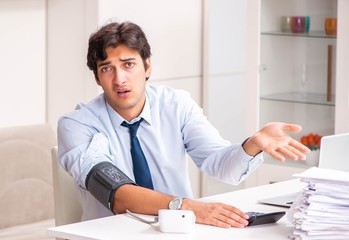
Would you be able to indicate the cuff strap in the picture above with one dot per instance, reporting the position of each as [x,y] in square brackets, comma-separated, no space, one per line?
[103,180]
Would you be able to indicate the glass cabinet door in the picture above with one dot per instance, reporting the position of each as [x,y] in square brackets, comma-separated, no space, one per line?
[297,69]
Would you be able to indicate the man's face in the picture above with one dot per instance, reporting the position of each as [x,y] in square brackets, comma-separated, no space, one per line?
[122,76]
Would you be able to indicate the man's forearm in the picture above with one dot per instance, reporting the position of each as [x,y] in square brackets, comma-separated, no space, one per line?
[139,200]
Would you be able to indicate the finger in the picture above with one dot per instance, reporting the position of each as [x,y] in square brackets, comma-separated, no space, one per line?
[273,151]
[219,219]
[297,151]
[275,154]
[235,219]
[217,223]
[301,147]
[233,216]
[235,211]
[290,152]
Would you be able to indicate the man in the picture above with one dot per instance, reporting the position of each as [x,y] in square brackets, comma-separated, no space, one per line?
[96,148]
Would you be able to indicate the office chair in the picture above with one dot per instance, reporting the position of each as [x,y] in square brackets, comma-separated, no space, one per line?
[67,205]
[26,187]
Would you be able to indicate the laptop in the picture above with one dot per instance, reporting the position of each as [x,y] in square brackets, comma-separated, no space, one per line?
[334,154]
[280,201]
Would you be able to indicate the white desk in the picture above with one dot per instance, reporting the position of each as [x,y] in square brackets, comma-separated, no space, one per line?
[126,227]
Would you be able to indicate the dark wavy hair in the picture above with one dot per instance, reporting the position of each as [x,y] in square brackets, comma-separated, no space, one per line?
[113,35]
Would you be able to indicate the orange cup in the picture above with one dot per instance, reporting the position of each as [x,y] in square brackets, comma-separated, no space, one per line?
[331,26]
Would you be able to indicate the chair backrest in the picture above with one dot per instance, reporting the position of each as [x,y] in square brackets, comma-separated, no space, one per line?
[26,191]
[67,205]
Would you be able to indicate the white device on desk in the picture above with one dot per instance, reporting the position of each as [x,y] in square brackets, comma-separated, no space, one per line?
[176,221]
[171,221]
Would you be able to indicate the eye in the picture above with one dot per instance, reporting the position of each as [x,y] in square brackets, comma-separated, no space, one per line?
[129,64]
[106,69]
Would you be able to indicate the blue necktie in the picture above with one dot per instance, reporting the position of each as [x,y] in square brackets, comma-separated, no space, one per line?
[140,165]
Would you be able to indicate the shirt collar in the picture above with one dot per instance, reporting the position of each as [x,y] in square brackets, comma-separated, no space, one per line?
[116,119]
[146,113]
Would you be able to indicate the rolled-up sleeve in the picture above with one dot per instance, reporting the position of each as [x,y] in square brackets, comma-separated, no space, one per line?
[231,164]
[214,155]
[80,147]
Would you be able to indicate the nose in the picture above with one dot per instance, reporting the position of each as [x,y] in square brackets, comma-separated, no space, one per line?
[119,76]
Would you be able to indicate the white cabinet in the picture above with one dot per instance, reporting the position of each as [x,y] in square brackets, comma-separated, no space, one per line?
[289,73]
[296,76]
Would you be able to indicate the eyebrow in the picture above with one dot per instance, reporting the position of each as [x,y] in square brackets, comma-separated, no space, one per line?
[122,60]
[127,59]
[103,64]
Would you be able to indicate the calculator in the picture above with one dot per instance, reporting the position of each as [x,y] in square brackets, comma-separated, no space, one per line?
[258,218]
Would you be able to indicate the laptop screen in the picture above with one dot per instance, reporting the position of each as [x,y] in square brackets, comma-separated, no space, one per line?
[334,152]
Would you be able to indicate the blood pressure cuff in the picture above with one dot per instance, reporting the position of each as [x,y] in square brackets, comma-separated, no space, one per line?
[103,180]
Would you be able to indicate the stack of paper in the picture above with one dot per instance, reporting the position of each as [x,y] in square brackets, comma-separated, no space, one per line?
[322,209]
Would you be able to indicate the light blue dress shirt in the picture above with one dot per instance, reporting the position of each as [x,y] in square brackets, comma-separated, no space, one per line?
[173,126]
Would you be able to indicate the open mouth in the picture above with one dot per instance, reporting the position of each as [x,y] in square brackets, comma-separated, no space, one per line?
[123,93]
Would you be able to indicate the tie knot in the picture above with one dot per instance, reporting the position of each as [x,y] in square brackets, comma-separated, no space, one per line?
[133,127]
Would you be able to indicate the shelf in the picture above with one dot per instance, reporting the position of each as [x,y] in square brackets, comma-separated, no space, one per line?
[311,34]
[301,97]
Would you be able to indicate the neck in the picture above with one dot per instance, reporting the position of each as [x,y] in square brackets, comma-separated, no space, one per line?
[132,113]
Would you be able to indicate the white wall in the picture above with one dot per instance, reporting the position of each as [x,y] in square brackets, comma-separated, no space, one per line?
[225,75]
[22,62]
[69,24]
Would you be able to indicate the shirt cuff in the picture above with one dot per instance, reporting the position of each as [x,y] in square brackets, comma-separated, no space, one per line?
[249,163]
[242,144]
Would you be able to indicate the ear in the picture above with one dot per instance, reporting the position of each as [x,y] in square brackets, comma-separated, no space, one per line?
[148,68]
[98,82]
